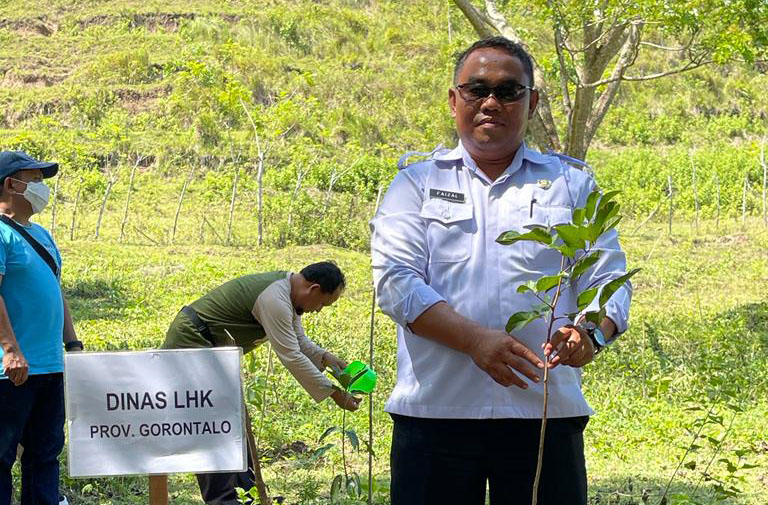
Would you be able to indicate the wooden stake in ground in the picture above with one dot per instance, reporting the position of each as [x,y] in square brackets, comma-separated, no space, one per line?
[111,179]
[53,207]
[765,181]
[260,485]
[74,211]
[695,194]
[181,201]
[158,490]
[744,200]
[232,205]
[128,197]
[671,202]
[717,189]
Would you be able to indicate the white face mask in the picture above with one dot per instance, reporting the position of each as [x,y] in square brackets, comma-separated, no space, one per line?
[37,194]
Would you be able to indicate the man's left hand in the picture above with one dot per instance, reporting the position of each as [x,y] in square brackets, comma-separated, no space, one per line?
[570,346]
[329,359]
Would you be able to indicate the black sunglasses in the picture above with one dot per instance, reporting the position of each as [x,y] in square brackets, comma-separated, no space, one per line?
[505,93]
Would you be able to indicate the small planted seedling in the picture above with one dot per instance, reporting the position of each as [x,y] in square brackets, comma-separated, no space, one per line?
[357,378]
[578,245]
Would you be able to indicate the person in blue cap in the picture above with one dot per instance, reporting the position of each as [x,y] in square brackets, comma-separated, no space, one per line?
[34,319]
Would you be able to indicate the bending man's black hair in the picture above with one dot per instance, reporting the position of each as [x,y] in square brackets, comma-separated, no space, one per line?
[326,274]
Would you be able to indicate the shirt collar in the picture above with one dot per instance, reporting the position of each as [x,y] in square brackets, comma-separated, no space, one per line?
[523,153]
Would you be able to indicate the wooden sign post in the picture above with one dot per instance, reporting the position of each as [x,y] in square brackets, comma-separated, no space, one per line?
[158,490]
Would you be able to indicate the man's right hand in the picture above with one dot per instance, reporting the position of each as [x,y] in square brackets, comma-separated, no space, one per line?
[497,354]
[15,366]
[345,400]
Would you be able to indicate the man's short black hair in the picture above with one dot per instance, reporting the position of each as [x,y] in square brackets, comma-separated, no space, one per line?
[326,274]
[498,42]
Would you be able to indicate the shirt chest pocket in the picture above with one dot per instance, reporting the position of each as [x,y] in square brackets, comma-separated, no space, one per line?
[539,255]
[450,227]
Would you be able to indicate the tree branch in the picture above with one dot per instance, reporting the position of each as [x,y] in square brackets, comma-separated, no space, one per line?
[605,53]
[688,66]
[564,74]
[626,59]
[476,19]
[664,48]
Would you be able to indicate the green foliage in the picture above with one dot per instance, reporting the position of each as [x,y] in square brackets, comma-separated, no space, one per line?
[598,216]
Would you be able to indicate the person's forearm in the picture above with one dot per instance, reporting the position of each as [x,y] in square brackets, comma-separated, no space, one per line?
[7,337]
[69,334]
[608,328]
[442,324]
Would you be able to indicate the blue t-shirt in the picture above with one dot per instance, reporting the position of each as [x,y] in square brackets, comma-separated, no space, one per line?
[32,296]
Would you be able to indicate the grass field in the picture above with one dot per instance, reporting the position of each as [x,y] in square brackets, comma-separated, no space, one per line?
[698,341]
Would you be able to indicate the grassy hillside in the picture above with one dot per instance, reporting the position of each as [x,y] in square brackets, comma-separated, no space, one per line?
[330,93]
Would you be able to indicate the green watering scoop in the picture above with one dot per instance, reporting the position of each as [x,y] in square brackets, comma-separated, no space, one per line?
[356,378]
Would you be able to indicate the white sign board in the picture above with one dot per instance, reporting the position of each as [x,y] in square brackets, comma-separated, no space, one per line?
[155,412]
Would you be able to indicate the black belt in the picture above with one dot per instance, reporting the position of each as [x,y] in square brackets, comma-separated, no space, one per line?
[200,325]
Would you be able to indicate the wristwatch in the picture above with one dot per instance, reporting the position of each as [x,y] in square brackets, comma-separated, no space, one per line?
[595,334]
[72,343]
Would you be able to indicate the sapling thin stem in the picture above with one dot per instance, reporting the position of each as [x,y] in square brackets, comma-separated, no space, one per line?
[714,455]
[690,446]
[343,444]
[543,431]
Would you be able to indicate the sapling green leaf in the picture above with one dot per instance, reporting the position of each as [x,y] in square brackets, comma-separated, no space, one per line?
[606,213]
[573,236]
[368,448]
[595,317]
[520,320]
[320,451]
[548,282]
[353,485]
[565,250]
[527,286]
[353,440]
[327,432]
[584,263]
[586,297]
[591,207]
[608,196]
[540,235]
[578,216]
[609,289]
[336,484]
[612,224]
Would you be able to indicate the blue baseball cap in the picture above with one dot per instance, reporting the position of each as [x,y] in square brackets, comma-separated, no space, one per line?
[13,161]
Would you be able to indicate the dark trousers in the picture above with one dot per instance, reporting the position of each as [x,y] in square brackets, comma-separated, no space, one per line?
[219,488]
[32,415]
[447,461]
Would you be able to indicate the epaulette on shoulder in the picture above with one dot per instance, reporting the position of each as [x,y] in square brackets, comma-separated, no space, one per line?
[403,161]
[574,162]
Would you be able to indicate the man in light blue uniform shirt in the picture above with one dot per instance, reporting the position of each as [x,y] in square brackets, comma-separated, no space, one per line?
[34,319]
[468,399]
